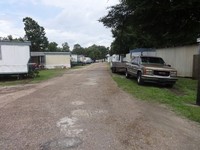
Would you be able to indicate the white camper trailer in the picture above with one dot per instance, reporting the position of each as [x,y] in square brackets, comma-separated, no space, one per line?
[14,57]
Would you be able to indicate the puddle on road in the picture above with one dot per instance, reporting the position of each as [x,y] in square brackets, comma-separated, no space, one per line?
[62,144]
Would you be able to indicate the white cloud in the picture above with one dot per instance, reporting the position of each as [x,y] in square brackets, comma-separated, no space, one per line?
[75,21]
[8,28]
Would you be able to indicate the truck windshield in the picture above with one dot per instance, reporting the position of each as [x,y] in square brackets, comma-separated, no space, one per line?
[152,60]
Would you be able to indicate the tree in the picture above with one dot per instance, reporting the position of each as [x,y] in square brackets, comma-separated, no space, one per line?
[78,50]
[93,52]
[10,38]
[52,47]
[168,22]
[150,23]
[96,52]
[116,19]
[77,46]
[36,34]
[65,47]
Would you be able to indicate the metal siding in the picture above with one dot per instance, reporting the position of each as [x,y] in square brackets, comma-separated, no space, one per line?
[26,43]
[14,59]
[128,57]
[181,58]
[53,61]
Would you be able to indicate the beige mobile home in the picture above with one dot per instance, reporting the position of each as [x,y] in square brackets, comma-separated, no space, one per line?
[51,60]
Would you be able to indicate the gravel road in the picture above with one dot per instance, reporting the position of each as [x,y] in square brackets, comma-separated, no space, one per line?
[85,110]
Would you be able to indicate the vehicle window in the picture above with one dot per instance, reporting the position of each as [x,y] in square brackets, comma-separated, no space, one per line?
[139,60]
[135,60]
[152,60]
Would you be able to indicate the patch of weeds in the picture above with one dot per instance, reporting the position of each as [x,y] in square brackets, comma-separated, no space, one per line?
[181,98]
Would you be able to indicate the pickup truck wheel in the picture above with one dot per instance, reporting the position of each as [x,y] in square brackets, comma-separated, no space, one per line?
[113,70]
[126,74]
[139,79]
[170,85]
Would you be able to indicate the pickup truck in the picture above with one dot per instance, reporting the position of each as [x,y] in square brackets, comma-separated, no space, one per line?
[151,69]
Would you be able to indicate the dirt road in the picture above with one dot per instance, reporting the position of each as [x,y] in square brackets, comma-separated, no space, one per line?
[85,110]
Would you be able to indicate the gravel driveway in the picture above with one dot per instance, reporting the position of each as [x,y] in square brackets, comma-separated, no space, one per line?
[85,110]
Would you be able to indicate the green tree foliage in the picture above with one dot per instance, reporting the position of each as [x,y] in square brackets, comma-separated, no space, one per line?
[94,52]
[10,38]
[36,34]
[153,23]
[78,50]
[65,47]
[117,20]
[52,47]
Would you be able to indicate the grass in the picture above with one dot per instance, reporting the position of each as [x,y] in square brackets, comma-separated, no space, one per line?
[43,75]
[77,67]
[181,98]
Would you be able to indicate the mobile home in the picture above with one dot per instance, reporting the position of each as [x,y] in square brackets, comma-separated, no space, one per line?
[51,60]
[14,57]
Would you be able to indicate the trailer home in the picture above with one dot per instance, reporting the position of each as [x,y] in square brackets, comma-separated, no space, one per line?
[77,59]
[51,60]
[14,57]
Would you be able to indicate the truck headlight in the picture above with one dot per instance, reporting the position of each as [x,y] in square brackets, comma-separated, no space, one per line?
[173,73]
[148,71]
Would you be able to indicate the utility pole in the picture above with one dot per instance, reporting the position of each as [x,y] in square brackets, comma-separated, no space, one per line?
[198,88]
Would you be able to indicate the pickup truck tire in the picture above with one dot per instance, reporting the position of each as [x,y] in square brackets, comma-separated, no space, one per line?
[127,74]
[113,70]
[170,85]
[139,79]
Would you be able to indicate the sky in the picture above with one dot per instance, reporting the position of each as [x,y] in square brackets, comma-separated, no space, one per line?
[71,21]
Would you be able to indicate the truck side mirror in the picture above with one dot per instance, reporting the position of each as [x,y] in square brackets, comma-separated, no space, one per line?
[168,65]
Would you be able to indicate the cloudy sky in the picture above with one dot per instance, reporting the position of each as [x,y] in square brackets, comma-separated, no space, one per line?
[72,21]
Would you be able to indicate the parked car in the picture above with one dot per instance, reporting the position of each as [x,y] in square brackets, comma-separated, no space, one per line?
[151,69]
[87,60]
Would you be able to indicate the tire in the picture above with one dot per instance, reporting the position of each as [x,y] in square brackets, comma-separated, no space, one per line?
[126,74]
[113,70]
[170,85]
[139,78]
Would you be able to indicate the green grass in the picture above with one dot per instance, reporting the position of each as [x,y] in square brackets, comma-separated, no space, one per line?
[43,75]
[77,67]
[48,74]
[181,98]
